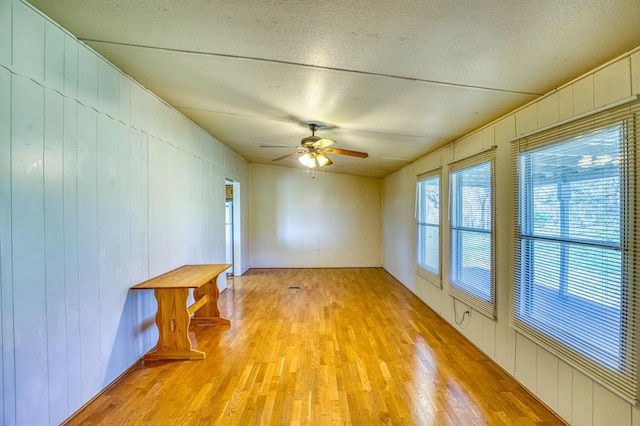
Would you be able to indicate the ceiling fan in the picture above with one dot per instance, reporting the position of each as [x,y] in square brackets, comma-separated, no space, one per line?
[313,150]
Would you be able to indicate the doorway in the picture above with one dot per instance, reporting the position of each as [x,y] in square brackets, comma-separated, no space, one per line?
[232,226]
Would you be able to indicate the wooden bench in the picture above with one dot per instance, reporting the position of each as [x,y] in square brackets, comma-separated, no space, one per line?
[174,316]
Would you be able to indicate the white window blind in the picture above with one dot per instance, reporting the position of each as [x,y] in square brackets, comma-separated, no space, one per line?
[428,222]
[472,235]
[576,289]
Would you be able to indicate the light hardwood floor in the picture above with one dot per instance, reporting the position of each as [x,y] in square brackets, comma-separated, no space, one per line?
[350,346]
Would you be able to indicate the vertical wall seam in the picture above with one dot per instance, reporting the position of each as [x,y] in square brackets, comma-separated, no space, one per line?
[44,222]
[77,208]
[64,234]
[6,402]
[97,226]
[146,160]
[10,212]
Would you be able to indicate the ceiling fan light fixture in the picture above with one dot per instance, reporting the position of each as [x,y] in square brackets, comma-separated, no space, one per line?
[308,160]
[311,160]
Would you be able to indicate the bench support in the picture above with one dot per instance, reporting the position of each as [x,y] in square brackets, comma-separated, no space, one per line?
[209,314]
[173,320]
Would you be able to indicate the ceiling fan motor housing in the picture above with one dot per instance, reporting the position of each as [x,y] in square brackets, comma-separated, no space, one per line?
[310,140]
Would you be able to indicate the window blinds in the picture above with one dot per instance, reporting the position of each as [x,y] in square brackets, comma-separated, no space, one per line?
[428,226]
[576,273]
[472,232]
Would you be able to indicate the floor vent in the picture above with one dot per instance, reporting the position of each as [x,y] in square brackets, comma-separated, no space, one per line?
[294,287]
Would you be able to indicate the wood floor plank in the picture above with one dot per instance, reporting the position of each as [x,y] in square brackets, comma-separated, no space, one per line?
[349,346]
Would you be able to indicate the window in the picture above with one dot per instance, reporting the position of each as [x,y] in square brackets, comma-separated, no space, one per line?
[472,235]
[428,218]
[575,254]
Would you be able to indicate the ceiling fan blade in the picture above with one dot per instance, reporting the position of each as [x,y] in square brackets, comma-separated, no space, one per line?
[284,157]
[323,143]
[347,152]
[277,146]
[322,159]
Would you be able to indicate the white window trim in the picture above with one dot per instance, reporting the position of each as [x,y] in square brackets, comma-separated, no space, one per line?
[487,308]
[427,275]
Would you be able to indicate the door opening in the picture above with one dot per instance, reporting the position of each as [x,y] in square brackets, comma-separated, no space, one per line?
[233,218]
[228,225]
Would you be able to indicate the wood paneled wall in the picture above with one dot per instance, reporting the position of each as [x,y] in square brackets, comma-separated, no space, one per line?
[102,185]
[575,397]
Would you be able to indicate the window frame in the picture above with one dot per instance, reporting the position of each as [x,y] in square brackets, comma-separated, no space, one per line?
[623,378]
[457,289]
[431,276]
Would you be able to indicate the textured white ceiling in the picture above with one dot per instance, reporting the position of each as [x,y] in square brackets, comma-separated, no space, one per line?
[396,79]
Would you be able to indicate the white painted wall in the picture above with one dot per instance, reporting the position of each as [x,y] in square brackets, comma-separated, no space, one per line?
[331,220]
[102,186]
[575,397]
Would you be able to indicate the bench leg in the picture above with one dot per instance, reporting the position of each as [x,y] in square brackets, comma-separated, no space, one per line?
[173,321]
[209,314]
